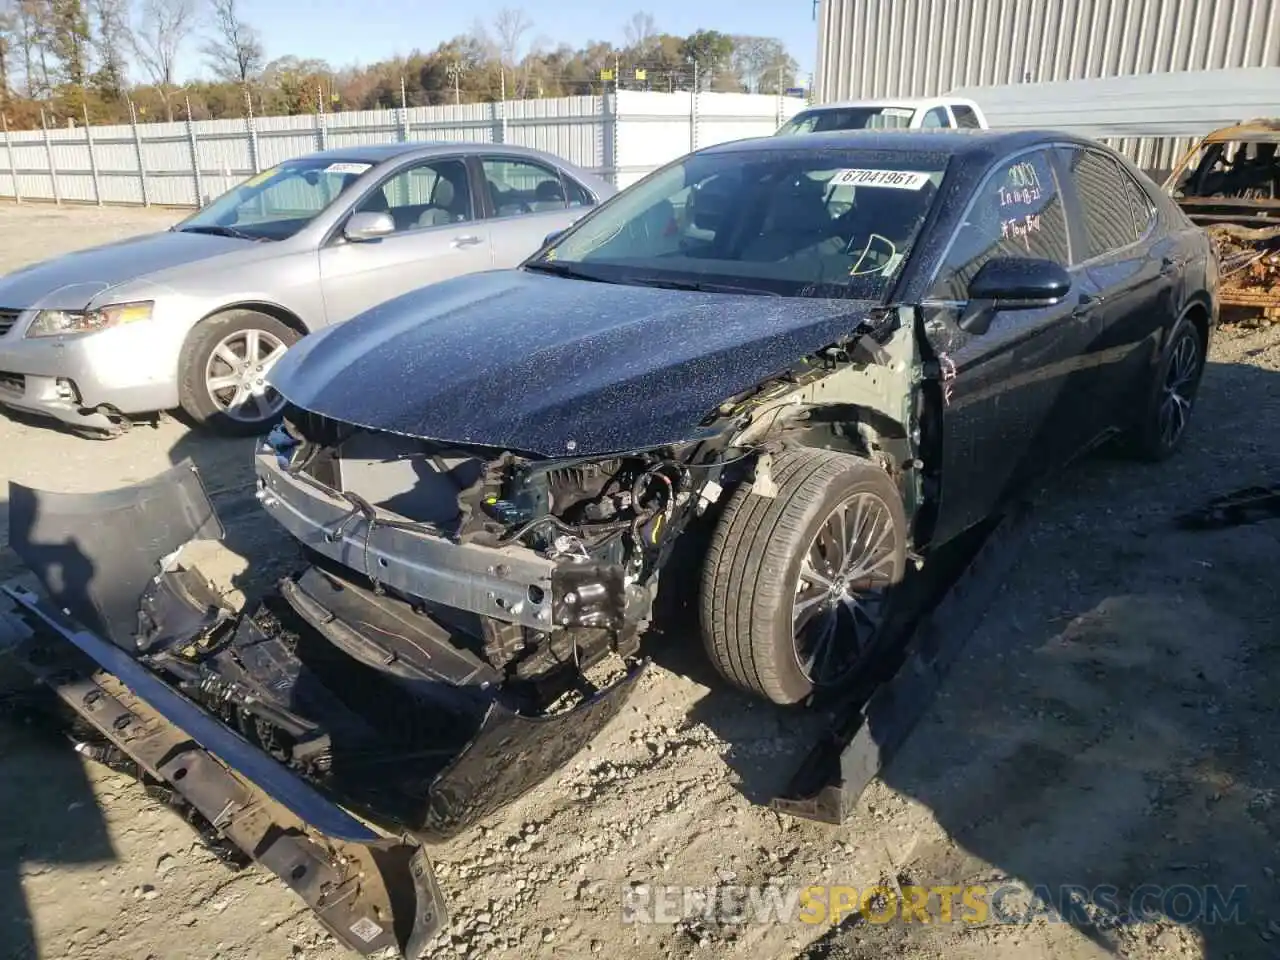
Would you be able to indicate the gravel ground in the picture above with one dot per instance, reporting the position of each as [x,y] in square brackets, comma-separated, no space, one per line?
[1110,723]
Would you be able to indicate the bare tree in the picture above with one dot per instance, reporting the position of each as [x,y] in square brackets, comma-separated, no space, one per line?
[234,51]
[8,37]
[510,26]
[110,23]
[157,37]
[32,29]
[69,40]
[640,33]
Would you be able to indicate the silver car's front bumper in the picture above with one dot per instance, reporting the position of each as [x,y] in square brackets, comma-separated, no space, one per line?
[512,583]
[130,369]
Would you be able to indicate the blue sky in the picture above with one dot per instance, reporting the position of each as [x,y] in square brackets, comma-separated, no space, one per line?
[348,31]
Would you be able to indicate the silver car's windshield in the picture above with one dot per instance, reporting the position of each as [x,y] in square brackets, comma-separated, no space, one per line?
[277,203]
[830,223]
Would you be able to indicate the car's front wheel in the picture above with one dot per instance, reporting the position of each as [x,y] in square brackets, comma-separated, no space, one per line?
[223,371]
[795,587]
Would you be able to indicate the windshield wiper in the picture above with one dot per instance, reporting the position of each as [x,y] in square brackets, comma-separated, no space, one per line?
[699,286]
[565,270]
[220,231]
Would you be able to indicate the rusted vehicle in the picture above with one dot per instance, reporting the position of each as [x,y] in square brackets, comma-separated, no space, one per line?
[1230,184]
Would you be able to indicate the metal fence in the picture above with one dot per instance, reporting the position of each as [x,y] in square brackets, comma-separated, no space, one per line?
[619,136]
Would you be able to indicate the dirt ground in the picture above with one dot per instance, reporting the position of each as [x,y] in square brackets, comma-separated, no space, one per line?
[1111,722]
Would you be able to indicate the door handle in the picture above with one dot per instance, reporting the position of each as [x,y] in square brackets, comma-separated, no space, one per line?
[1085,305]
[467,241]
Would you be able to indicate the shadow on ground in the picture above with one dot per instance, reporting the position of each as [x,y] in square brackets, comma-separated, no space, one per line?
[1105,753]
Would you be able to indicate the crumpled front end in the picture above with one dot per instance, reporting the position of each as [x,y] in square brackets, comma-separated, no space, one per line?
[313,730]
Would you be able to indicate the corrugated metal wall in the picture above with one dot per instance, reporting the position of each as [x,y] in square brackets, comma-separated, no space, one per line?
[890,48]
[1154,118]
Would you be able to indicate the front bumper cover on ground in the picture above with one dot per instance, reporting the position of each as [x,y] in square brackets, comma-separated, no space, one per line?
[99,647]
[372,893]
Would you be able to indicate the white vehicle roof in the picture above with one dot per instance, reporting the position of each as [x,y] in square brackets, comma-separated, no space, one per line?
[909,103]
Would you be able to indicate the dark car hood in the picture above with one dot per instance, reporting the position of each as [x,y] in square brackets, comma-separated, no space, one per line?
[553,366]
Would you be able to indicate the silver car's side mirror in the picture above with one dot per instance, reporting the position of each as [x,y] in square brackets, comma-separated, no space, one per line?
[365,226]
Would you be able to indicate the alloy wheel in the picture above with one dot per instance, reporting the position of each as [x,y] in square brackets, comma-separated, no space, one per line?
[1178,390]
[236,375]
[841,589]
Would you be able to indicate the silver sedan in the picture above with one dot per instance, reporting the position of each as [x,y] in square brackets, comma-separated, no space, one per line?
[195,317]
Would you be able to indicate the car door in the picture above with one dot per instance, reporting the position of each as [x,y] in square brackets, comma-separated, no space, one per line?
[526,200]
[1008,393]
[1135,267]
[438,234]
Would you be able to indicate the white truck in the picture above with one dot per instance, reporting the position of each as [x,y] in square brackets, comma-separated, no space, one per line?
[912,114]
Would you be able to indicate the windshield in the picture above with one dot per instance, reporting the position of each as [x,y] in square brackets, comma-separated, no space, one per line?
[839,223]
[277,203]
[848,118]
[1232,169]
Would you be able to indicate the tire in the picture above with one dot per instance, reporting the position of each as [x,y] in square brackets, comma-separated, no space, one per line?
[243,408]
[753,571]
[1177,375]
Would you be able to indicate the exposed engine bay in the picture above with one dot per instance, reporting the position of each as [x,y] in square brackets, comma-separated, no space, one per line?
[535,565]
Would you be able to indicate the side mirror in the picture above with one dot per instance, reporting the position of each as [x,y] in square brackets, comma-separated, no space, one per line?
[553,236]
[366,226]
[1012,283]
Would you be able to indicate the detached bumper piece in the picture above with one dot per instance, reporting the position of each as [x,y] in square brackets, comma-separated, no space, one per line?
[329,696]
[373,894]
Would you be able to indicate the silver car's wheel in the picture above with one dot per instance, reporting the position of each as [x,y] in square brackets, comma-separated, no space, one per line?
[224,367]
[235,375]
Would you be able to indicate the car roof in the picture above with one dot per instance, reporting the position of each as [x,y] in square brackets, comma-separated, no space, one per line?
[912,102]
[1262,130]
[957,143]
[381,152]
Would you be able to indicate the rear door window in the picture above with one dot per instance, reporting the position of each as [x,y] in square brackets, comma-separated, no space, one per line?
[1105,202]
[518,186]
[966,118]
[1017,212]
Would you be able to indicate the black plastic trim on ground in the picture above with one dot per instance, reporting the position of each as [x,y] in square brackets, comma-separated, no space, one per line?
[869,730]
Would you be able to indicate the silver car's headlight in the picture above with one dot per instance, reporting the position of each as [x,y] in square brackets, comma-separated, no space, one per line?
[53,323]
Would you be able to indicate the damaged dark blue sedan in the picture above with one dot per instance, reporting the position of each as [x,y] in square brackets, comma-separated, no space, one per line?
[793,367]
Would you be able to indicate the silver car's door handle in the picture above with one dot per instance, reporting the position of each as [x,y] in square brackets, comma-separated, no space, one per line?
[467,241]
